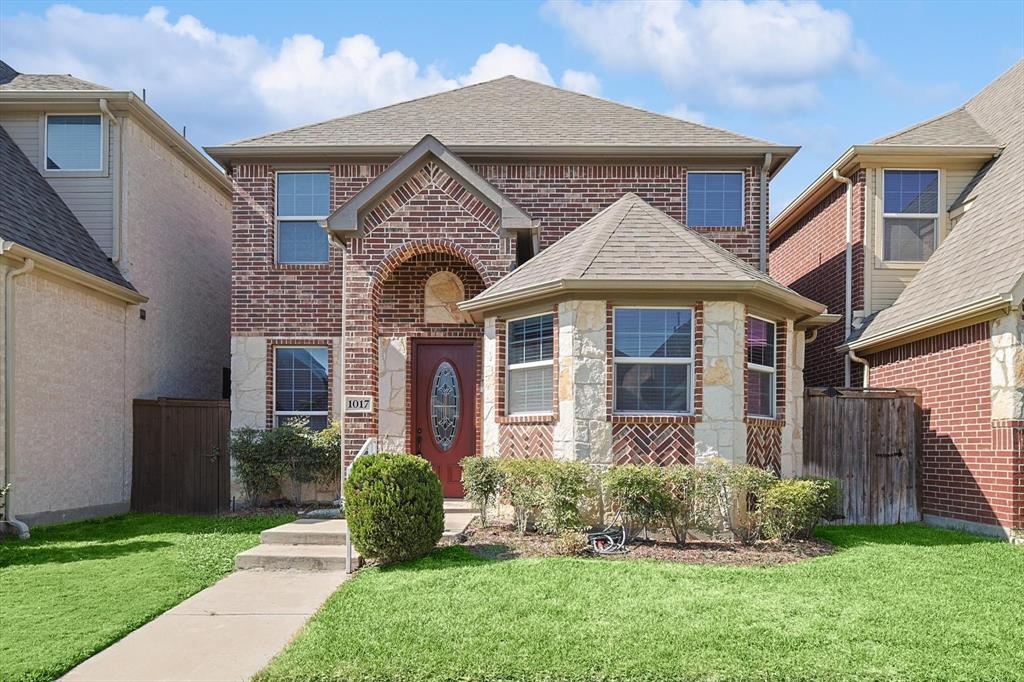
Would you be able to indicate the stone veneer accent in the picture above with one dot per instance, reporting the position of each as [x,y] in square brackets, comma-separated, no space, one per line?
[1008,367]
[582,432]
[721,432]
[393,356]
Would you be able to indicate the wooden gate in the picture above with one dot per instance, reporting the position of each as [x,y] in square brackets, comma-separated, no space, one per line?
[181,462]
[870,440]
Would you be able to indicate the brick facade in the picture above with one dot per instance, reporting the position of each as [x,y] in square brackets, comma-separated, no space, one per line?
[764,436]
[971,467]
[810,258]
[428,224]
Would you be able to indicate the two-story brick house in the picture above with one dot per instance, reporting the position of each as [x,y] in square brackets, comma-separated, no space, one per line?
[368,252]
[917,239]
[115,263]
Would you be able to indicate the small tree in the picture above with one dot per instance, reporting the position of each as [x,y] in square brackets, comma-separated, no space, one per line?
[737,490]
[689,489]
[639,493]
[523,487]
[482,481]
[565,487]
[295,454]
[252,463]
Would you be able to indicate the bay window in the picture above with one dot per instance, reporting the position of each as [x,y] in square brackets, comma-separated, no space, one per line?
[761,367]
[530,365]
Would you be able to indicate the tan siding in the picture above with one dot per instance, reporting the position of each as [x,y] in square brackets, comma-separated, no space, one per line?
[24,130]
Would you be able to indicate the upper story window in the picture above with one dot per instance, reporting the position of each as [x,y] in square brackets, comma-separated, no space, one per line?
[300,385]
[303,198]
[653,360]
[760,367]
[910,221]
[74,143]
[714,199]
[530,360]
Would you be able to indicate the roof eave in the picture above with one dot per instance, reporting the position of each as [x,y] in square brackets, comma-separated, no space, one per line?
[72,273]
[866,153]
[970,313]
[128,101]
[792,300]
[225,154]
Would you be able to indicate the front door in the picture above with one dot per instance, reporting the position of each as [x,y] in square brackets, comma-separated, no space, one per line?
[444,407]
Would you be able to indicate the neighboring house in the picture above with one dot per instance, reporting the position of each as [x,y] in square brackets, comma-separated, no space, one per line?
[369,257]
[937,280]
[125,227]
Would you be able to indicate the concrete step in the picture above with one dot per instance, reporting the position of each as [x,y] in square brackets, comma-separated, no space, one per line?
[307,532]
[458,506]
[300,557]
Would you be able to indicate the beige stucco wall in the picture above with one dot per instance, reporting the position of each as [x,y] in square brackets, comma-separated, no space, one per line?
[72,416]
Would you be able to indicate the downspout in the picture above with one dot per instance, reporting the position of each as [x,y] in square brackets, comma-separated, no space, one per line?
[115,175]
[848,310]
[763,236]
[9,517]
[850,355]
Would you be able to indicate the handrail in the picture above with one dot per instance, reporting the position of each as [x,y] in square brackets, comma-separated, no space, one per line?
[369,448]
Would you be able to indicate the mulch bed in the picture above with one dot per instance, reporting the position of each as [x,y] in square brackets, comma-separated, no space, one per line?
[502,542]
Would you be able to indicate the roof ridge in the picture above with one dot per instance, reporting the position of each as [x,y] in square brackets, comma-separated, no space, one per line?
[611,232]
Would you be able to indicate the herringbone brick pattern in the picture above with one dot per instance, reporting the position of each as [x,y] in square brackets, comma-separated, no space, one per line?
[525,441]
[764,447]
[659,444]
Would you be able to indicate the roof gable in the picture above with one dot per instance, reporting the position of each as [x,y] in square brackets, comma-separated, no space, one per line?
[954,128]
[34,216]
[507,112]
[350,219]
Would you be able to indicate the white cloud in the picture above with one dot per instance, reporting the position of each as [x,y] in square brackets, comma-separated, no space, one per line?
[581,81]
[686,113]
[226,86]
[765,55]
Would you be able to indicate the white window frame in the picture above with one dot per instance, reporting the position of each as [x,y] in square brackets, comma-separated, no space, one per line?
[285,413]
[743,199]
[510,367]
[772,371]
[937,216]
[82,172]
[278,219]
[616,361]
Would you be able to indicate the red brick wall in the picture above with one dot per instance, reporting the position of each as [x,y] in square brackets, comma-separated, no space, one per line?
[810,258]
[966,474]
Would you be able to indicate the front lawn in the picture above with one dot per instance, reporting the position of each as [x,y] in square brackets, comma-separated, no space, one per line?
[903,602]
[75,588]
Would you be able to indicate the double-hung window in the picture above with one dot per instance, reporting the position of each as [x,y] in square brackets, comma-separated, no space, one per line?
[74,142]
[910,221]
[303,198]
[714,199]
[300,385]
[530,359]
[653,360]
[760,367]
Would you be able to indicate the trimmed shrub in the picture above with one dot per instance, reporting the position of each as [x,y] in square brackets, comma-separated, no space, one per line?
[737,491]
[394,507]
[565,488]
[689,490]
[792,508]
[522,487]
[639,493]
[833,497]
[482,481]
[295,454]
[252,463]
[572,543]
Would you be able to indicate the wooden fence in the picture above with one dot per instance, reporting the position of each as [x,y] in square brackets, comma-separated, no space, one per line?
[181,460]
[870,440]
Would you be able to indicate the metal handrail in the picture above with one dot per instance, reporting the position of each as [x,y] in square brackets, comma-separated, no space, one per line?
[369,448]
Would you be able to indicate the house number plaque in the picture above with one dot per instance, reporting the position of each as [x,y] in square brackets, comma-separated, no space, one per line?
[358,404]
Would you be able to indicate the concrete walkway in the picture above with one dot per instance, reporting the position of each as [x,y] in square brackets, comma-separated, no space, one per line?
[227,632]
[231,630]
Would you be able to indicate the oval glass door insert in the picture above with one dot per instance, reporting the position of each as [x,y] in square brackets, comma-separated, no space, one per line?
[444,406]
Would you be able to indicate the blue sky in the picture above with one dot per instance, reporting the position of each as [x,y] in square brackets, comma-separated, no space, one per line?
[820,75]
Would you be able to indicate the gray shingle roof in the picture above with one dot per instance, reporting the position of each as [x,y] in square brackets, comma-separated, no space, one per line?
[12,80]
[631,241]
[34,216]
[984,254]
[957,127]
[508,111]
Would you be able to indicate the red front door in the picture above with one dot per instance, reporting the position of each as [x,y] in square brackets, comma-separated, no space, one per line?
[444,412]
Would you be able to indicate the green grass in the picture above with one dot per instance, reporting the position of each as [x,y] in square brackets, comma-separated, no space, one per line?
[75,588]
[904,602]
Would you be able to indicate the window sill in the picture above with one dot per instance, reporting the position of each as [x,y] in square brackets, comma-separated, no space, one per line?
[528,419]
[653,418]
[900,265]
[302,266]
[720,228]
[764,421]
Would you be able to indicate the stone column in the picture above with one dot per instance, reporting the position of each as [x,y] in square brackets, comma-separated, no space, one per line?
[721,431]
[1008,368]
[391,389]
[488,416]
[582,431]
[793,430]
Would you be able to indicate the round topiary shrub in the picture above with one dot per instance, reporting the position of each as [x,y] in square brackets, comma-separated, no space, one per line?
[394,507]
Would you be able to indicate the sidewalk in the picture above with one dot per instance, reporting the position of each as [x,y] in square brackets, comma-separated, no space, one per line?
[227,632]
